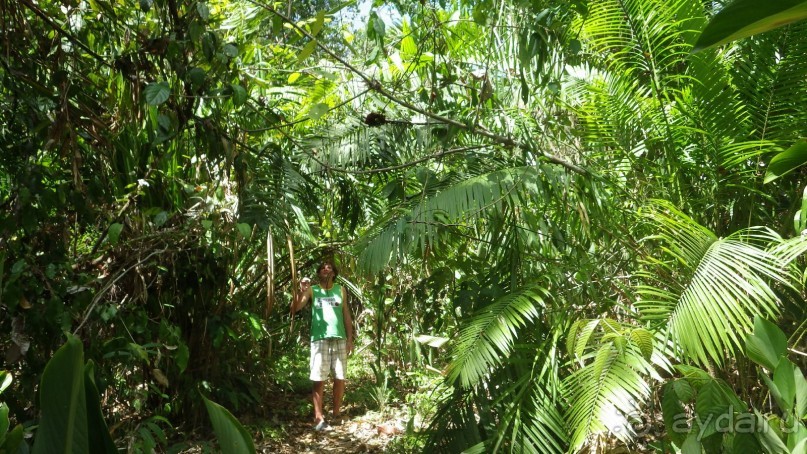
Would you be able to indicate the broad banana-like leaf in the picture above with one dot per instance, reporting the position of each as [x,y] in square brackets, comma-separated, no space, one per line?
[787,161]
[98,432]
[3,422]
[801,394]
[766,345]
[63,419]
[13,440]
[783,385]
[715,399]
[692,444]
[5,380]
[233,438]
[769,438]
[749,17]
[800,219]
[673,395]
[745,443]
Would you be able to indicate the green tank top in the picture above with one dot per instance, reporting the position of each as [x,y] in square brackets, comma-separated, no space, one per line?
[327,319]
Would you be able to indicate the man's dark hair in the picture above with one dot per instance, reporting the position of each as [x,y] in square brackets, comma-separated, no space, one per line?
[333,267]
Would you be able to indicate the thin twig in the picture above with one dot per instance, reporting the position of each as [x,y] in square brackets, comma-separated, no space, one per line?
[793,350]
[64,32]
[109,285]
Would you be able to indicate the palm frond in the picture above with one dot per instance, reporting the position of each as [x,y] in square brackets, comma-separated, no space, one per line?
[791,249]
[704,290]
[517,408]
[454,427]
[612,384]
[770,74]
[530,419]
[488,338]
[466,200]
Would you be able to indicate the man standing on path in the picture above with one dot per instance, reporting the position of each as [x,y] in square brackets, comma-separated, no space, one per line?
[331,337]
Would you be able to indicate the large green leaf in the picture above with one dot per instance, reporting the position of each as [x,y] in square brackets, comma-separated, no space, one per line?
[801,393]
[4,422]
[783,384]
[673,411]
[800,218]
[768,437]
[307,51]
[99,437]
[787,161]
[233,438]
[748,17]
[766,345]
[13,440]
[692,444]
[63,418]
[746,443]
[5,380]
[157,93]
[714,404]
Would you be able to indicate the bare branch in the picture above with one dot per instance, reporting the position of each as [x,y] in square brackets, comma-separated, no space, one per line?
[404,165]
[377,87]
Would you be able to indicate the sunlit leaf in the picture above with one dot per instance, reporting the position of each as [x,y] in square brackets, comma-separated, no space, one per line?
[490,335]
[744,18]
[318,110]
[306,52]
[319,21]
[5,380]
[432,341]
[787,161]
[723,283]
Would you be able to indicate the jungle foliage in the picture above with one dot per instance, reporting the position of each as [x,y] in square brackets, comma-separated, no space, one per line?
[587,218]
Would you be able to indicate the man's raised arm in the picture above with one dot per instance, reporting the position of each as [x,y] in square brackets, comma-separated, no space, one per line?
[302,296]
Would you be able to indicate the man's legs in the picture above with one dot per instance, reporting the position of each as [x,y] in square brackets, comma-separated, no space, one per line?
[320,357]
[338,394]
[316,396]
[339,370]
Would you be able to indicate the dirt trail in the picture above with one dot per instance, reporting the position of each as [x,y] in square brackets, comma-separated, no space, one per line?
[354,436]
[362,431]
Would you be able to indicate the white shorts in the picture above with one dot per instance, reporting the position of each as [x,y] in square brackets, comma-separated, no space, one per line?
[328,355]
